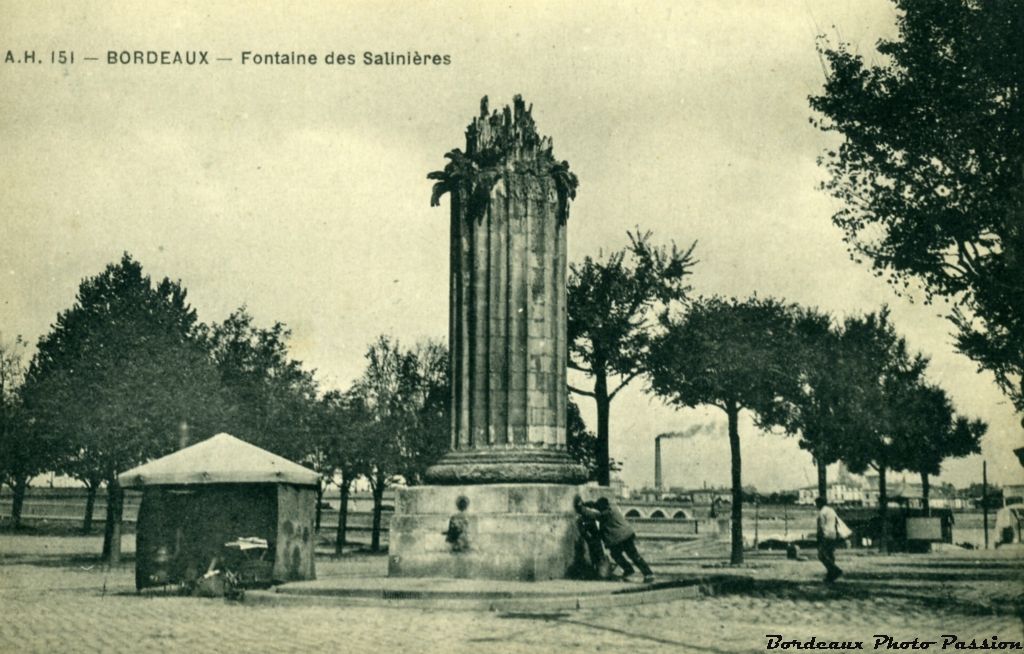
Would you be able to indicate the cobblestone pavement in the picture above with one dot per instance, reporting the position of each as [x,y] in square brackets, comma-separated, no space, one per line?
[62,602]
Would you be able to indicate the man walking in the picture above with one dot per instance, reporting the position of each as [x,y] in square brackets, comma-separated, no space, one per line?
[617,535]
[830,535]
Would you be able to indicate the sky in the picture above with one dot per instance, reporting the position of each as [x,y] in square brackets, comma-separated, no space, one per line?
[301,191]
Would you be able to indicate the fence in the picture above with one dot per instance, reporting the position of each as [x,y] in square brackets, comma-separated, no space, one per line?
[67,506]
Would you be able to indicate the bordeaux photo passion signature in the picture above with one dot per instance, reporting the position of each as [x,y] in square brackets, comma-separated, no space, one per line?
[888,642]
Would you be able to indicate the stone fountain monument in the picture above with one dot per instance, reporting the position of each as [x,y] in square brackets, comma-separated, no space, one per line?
[507,466]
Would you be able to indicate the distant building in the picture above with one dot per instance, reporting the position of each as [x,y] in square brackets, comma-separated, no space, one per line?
[911,494]
[700,496]
[856,490]
[845,490]
[53,480]
[1013,494]
[838,493]
[617,486]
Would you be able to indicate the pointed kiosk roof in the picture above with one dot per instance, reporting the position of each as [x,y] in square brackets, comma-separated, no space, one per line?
[220,459]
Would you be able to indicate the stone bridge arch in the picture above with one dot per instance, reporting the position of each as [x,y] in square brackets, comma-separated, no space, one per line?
[655,511]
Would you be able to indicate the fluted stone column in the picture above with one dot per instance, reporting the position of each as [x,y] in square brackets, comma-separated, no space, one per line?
[507,473]
[507,324]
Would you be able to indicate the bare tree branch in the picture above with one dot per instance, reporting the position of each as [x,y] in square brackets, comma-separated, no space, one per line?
[625,381]
[580,391]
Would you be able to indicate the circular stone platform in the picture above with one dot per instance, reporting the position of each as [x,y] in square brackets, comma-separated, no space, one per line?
[485,594]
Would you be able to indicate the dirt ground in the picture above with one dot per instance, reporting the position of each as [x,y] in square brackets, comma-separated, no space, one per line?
[55,597]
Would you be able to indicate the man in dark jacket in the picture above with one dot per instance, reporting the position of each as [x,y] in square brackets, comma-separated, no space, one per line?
[616,534]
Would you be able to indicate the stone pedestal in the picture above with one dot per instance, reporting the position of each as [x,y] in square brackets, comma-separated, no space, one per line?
[525,532]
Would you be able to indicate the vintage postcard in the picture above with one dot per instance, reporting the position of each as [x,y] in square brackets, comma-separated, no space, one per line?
[454,326]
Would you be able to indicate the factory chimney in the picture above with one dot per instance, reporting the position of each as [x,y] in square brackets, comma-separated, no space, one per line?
[692,431]
[657,463]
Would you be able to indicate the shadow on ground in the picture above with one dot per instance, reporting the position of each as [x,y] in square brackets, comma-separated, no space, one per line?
[62,560]
[856,586]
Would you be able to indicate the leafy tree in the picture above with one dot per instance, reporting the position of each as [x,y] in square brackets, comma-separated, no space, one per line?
[734,355]
[928,432]
[116,375]
[827,398]
[272,397]
[402,394]
[883,374]
[750,494]
[317,461]
[581,442]
[23,454]
[430,396]
[815,412]
[319,456]
[344,422]
[611,319]
[781,498]
[992,497]
[931,167]
[86,465]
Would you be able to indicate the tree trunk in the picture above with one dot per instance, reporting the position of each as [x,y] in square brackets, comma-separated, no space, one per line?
[339,538]
[603,409]
[378,497]
[112,530]
[925,493]
[108,525]
[883,512]
[733,412]
[822,477]
[18,501]
[319,501]
[90,504]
